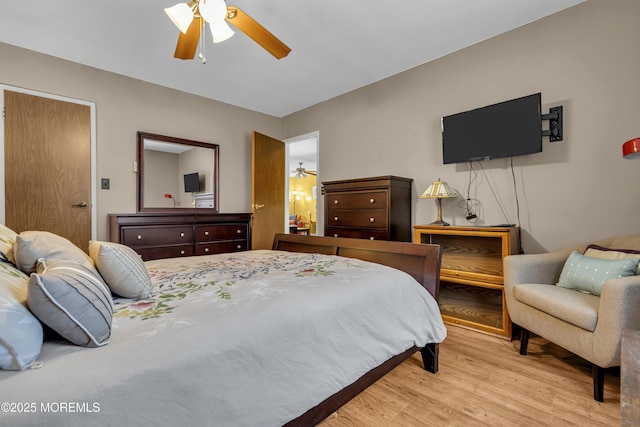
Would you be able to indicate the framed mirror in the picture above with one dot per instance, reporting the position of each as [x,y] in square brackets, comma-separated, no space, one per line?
[177,173]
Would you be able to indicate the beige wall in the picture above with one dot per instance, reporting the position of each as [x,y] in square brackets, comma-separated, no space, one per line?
[586,58]
[161,177]
[126,105]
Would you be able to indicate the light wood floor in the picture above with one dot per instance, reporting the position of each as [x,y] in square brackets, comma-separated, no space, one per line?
[483,380]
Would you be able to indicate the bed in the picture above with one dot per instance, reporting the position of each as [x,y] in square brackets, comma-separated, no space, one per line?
[268,338]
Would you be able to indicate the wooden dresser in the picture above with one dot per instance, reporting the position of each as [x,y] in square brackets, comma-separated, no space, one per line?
[169,235]
[369,208]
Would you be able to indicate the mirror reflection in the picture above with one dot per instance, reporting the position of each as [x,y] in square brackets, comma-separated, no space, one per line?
[175,173]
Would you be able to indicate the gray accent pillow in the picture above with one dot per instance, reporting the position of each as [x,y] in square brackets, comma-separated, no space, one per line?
[73,301]
[32,245]
[122,268]
[589,274]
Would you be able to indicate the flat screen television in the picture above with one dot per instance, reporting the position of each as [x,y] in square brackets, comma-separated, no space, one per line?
[191,183]
[510,128]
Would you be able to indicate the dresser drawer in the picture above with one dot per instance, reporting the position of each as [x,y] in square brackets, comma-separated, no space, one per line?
[164,252]
[210,233]
[357,233]
[221,247]
[358,200]
[152,236]
[362,219]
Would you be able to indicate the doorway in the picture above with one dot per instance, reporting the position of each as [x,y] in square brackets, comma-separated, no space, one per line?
[303,184]
[47,164]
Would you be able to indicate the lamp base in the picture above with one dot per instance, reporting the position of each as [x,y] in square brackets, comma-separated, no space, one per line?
[440,222]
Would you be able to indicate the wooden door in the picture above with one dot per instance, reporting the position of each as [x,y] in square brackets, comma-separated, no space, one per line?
[267,195]
[47,145]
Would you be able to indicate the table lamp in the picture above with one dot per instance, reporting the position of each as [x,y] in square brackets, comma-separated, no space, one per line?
[439,190]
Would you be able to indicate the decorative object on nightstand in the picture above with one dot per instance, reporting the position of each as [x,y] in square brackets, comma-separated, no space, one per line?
[631,149]
[439,190]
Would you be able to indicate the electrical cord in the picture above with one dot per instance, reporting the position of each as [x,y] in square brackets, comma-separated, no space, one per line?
[515,191]
[495,196]
[469,205]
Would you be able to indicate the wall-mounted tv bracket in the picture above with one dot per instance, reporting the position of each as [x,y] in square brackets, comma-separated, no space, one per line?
[555,124]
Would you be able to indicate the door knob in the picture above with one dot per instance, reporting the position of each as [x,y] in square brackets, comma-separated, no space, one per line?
[256,206]
[81,205]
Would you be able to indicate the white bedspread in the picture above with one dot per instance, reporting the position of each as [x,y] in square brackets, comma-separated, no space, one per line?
[245,339]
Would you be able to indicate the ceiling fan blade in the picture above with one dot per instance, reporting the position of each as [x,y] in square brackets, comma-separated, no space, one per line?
[257,32]
[188,43]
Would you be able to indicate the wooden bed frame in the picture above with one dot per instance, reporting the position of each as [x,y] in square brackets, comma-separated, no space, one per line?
[419,260]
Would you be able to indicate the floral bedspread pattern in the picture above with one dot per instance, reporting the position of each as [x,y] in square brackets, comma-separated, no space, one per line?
[227,281]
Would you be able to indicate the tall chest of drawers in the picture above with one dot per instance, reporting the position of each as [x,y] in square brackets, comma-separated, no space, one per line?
[369,208]
[160,235]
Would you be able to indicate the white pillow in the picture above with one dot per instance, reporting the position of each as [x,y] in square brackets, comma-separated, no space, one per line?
[122,268]
[73,301]
[20,332]
[33,245]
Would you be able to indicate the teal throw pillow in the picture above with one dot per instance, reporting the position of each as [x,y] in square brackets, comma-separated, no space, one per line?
[589,274]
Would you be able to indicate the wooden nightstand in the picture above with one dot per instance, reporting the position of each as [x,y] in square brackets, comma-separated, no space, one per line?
[471,276]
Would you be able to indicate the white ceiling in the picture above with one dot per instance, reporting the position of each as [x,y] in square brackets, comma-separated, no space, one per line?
[337,46]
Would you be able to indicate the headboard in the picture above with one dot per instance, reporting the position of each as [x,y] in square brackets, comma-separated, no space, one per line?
[419,260]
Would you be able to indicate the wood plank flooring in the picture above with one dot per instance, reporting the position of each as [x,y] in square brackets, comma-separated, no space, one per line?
[483,381]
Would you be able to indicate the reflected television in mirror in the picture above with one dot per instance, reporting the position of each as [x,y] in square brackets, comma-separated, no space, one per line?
[192,182]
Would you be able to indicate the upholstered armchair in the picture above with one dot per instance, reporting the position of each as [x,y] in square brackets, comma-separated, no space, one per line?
[586,324]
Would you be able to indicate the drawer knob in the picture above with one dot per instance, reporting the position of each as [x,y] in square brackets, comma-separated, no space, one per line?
[206,233]
[139,237]
[371,238]
[335,202]
[239,246]
[335,218]
[372,220]
[335,235]
[181,234]
[182,252]
[206,249]
[372,201]
[239,231]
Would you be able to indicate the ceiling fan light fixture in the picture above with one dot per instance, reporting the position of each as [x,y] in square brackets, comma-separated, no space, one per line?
[181,15]
[220,31]
[212,10]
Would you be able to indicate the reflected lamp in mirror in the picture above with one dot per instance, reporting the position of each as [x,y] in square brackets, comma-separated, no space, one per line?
[169,196]
[631,149]
[439,190]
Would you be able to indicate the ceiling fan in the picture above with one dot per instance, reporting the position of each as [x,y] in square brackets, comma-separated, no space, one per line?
[190,18]
[302,172]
